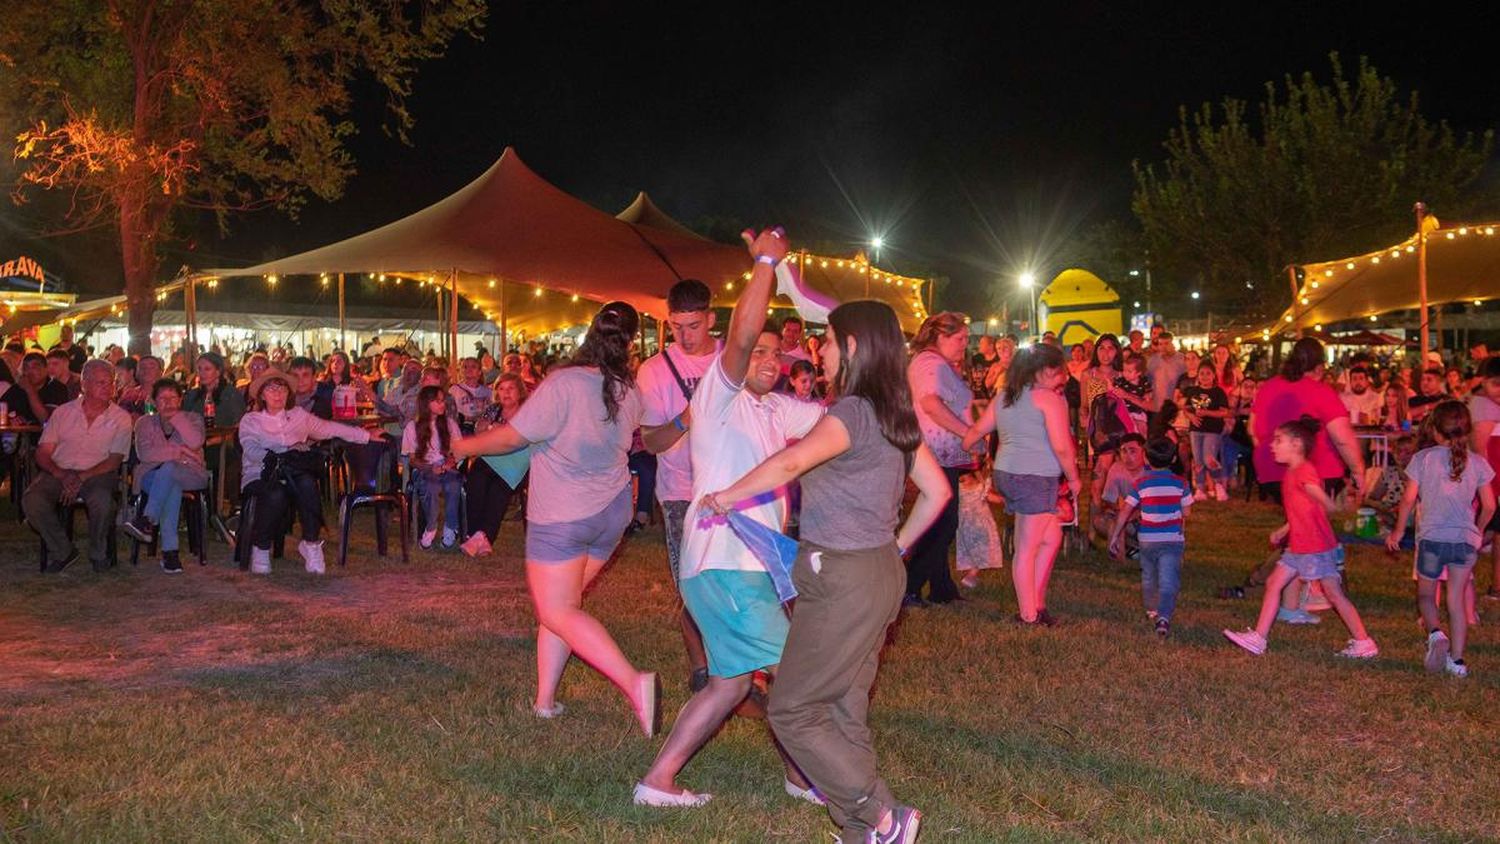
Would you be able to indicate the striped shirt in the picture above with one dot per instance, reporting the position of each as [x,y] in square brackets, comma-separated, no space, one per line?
[1161,497]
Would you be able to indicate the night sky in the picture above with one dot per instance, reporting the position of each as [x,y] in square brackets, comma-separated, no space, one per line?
[971,140]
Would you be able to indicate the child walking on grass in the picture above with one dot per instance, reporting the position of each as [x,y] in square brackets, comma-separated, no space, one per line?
[1446,478]
[1163,499]
[428,442]
[1312,552]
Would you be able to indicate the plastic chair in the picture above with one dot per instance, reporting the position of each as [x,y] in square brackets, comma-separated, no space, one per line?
[69,514]
[367,469]
[242,543]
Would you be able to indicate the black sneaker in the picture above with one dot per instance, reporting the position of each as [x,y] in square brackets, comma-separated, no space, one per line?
[1046,619]
[58,565]
[905,822]
[170,562]
[1163,628]
[140,528]
[913,600]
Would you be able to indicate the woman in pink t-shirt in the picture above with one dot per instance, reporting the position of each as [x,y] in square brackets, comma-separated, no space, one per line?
[1299,391]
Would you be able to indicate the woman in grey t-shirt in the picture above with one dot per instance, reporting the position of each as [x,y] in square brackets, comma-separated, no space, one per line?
[579,422]
[1036,448]
[848,572]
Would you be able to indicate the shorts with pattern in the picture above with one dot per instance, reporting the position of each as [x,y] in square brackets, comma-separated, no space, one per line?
[674,513]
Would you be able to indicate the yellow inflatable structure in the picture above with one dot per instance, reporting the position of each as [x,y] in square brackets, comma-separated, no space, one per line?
[1077,305]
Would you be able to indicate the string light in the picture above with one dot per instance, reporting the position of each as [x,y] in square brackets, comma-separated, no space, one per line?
[537,292]
[1463,230]
[1328,273]
[575,297]
[492,283]
[1450,235]
[1372,318]
[728,285]
[1349,266]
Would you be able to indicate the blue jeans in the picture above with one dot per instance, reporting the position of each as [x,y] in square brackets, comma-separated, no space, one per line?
[429,485]
[1205,447]
[1161,575]
[1232,452]
[164,487]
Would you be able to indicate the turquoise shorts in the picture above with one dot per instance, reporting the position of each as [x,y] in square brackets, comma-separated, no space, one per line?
[743,625]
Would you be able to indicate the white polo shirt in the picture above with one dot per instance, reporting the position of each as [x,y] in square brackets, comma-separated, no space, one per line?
[82,445]
[733,432]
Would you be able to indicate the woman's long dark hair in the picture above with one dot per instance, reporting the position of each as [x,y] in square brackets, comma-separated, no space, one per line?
[607,347]
[876,372]
[425,397]
[1307,355]
[348,375]
[1026,365]
[1101,340]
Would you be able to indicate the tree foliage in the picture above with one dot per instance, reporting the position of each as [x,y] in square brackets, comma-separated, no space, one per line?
[143,110]
[1314,171]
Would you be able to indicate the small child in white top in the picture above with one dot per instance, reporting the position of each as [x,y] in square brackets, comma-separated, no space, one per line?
[428,441]
[1448,479]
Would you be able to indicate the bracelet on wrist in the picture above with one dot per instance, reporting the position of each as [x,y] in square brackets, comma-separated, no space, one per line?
[766,259]
[677,423]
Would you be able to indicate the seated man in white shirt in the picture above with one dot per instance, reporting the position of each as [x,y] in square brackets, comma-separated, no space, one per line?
[1363,402]
[738,421]
[79,457]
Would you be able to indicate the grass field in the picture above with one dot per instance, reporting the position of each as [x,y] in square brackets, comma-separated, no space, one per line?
[390,701]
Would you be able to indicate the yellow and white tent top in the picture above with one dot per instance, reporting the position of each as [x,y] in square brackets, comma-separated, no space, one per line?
[1463,265]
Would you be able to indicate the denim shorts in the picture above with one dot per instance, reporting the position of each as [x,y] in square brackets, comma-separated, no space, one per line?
[594,536]
[1027,495]
[1433,557]
[1316,566]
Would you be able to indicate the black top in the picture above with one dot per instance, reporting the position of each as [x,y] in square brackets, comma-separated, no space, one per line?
[1213,398]
[54,393]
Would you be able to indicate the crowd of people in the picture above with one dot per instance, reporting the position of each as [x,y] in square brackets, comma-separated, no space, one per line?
[879,455]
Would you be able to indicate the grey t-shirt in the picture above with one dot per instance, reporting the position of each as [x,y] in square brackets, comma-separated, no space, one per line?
[852,502]
[1165,372]
[1119,483]
[578,456]
[1447,511]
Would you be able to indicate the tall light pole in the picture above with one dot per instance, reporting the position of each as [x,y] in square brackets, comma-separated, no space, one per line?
[1028,281]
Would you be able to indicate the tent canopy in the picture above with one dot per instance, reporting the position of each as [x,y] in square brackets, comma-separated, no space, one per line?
[525,252]
[843,279]
[1463,264]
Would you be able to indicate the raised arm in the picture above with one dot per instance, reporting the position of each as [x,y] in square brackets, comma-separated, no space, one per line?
[767,249]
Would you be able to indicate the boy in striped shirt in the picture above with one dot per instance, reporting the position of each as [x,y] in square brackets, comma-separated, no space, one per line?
[1163,500]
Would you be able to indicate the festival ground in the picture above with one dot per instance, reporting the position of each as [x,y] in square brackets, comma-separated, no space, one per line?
[388,701]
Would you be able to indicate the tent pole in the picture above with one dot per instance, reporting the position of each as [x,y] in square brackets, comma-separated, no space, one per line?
[442,335]
[190,309]
[1421,212]
[453,322]
[343,323]
[504,342]
[1291,274]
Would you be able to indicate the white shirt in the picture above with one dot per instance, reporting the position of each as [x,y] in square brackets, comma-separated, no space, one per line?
[470,401]
[1363,406]
[435,454]
[262,431]
[81,444]
[733,432]
[662,400]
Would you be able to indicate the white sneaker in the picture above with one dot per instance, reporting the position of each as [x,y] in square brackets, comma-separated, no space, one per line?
[1456,669]
[312,555]
[260,560]
[810,794]
[1437,652]
[1247,639]
[477,545]
[450,536]
[970,580]
[1360,649]
[427,537]
[645,795]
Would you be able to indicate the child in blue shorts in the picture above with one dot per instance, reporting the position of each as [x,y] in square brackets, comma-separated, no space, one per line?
[1447,478]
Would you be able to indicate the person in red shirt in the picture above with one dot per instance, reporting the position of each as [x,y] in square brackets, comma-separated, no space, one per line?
[1312,551]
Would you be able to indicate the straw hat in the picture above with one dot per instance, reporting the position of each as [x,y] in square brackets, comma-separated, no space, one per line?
[271,374]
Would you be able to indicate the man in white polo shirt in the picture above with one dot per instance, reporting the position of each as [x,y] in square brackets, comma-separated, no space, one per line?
[666,382]
[79,457]
[738,421]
